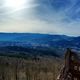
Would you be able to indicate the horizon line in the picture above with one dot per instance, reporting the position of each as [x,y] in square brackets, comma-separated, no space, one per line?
[39,33]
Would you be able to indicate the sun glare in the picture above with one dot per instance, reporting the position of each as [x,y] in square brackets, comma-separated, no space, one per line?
[15,4]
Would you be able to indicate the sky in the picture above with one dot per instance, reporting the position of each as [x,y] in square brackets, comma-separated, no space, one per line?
[40,16]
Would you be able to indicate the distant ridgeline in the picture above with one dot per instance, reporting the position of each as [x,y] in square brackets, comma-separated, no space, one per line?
[71,69]
[39,40]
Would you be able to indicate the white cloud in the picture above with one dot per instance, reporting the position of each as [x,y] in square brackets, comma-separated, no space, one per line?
[49,21]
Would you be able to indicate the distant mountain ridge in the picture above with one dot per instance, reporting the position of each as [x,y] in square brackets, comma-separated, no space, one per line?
[23,36]
[34,39]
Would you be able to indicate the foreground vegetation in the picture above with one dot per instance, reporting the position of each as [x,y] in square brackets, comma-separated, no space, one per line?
[39,68]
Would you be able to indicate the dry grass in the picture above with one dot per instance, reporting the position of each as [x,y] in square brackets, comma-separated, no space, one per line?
[44,68]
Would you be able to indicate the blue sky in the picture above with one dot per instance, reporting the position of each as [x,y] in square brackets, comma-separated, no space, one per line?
[40,16]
